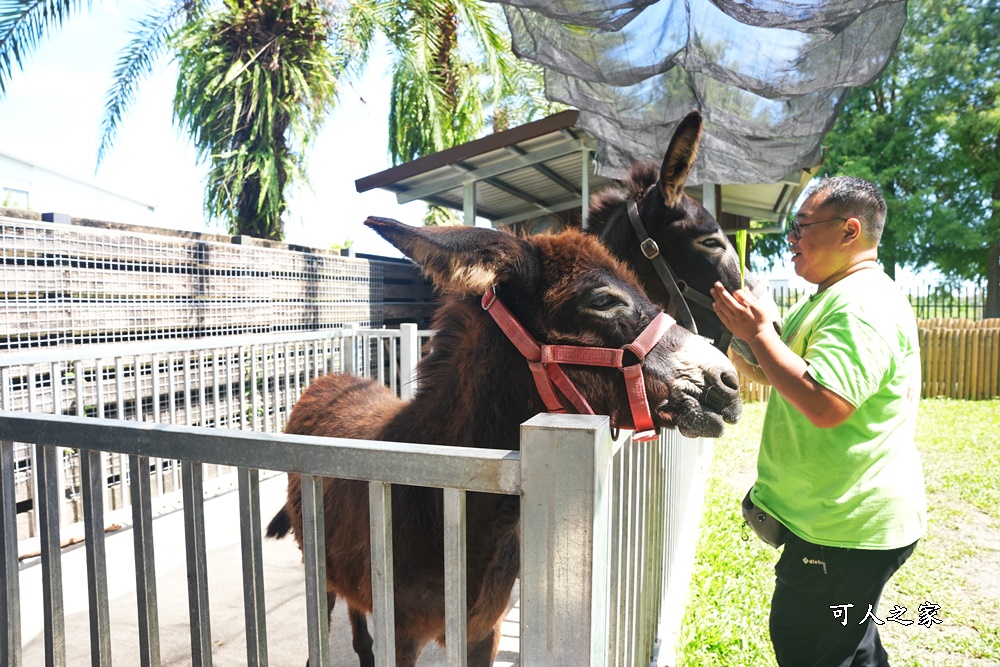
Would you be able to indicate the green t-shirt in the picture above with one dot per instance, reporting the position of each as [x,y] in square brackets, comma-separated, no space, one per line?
[858,485]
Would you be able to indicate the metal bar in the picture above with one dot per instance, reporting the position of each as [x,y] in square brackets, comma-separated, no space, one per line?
[47,506]
[154,380]
[348,351]
[202,396]
[485,470]
[32,407]
[616,631]
[469,203]
[107,496]
[97,563]
[564,609]
[145,567]
[192,489]
[254,392]
[10,596]
[164,346]
[455,592]
[526,160]
[314,554]
[253,567]
[187,389]
[265,380]
[409,355]
[383,605]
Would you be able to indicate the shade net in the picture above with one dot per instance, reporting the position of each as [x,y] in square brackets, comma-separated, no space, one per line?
[769,76]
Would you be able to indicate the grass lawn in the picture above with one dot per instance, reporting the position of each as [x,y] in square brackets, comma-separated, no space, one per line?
[956,565]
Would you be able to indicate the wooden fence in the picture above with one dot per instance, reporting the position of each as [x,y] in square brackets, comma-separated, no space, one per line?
[959,358]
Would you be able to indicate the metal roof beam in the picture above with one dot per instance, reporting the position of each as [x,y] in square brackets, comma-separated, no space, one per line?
[565,184]
[481,174]
[555,207]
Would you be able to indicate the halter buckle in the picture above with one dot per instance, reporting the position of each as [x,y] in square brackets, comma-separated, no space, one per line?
[489,297]
[649,248]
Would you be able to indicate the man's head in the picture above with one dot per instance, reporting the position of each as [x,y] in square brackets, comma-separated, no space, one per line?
[838,226]
[848,196]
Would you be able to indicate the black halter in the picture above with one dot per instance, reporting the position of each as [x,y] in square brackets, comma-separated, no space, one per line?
[681,294]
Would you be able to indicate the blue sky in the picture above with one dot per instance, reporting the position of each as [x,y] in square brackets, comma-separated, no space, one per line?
[51,115]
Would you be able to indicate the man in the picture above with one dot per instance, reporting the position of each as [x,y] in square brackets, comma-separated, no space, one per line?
[837,462]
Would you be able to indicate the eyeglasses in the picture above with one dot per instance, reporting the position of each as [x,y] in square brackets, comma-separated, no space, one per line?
[796,227]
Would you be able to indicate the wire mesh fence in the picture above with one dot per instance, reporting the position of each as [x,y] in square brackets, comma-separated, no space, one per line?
[69,284]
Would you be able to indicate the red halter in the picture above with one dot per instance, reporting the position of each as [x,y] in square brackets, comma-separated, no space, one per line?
[544,360]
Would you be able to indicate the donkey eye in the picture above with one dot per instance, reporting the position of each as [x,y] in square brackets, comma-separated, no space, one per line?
[606,301]
[713,243]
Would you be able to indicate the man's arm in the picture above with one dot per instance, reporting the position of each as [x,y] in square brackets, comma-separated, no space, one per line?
[787,372]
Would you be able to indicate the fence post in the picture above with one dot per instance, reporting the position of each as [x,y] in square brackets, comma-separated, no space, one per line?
[349,351]
[565,503]
[409,355]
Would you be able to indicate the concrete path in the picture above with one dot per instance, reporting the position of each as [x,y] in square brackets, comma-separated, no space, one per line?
[284,595]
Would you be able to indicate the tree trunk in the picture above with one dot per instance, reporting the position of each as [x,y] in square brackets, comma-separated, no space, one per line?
[992,308]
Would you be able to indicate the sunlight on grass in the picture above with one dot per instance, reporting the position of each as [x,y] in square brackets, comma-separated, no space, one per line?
[957,565]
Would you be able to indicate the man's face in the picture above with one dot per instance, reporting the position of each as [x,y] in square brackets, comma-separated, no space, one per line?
[815,240]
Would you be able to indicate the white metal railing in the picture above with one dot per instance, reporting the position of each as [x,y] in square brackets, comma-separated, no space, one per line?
[597,541]
[243,383]
[643,500]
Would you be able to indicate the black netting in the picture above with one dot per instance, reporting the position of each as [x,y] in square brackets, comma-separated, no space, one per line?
[768,75]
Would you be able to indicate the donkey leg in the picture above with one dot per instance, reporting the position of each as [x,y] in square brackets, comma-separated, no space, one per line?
[362,639]
[483,652]
[407,650]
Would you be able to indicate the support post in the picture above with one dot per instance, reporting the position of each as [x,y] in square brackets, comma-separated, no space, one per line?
[565,504]
[409,355]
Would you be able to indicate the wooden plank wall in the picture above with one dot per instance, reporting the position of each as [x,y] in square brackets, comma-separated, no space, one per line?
[959,358]
[91,282]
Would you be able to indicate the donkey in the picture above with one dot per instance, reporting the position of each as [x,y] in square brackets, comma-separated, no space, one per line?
[476,388]
[671,242]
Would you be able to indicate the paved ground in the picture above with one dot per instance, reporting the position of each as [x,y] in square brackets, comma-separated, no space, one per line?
[284,597]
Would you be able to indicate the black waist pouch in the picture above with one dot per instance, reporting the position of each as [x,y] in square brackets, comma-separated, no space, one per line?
[768,529]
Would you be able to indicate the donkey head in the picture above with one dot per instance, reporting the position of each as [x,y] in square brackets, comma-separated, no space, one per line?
[685,235]
[568,290]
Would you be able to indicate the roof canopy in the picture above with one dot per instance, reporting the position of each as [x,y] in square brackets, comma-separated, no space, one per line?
[545,168]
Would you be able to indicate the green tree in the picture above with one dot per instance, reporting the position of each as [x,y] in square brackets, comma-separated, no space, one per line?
[928,132]
[441,91]
[255,83]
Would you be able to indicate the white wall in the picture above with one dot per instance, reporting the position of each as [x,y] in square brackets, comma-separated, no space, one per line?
[52,192]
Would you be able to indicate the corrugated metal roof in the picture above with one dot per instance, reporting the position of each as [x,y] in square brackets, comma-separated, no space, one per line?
[539,169]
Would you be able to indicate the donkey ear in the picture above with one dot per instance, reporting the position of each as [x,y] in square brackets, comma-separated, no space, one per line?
[464,260]
[679,158]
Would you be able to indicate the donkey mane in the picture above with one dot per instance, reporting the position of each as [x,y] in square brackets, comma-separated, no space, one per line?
[637,181]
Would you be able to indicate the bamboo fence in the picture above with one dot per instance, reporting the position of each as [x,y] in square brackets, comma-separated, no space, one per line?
[959,358]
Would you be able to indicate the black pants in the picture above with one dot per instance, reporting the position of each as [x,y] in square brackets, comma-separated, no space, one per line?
[811,624]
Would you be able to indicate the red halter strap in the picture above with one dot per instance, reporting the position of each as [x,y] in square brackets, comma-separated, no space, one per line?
[550,379]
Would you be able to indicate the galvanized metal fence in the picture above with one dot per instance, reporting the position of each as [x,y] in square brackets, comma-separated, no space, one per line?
[601,542]
[620,518]
[242,383]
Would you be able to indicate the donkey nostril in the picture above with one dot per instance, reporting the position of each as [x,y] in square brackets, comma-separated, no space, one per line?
[730,379]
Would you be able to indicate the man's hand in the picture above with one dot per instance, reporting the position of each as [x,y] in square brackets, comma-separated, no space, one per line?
[741,313]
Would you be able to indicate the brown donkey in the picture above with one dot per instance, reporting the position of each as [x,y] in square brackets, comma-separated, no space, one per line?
[475,390]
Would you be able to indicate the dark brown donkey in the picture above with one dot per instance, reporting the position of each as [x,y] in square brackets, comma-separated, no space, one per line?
[475,390]
[672,243]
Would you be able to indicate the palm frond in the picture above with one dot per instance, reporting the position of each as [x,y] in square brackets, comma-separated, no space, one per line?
[23,25]
[135,62]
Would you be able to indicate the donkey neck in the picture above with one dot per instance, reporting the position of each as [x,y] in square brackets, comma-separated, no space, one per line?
[475,389]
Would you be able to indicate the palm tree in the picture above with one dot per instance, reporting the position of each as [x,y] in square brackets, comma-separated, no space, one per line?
[255,83]
[271,85]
